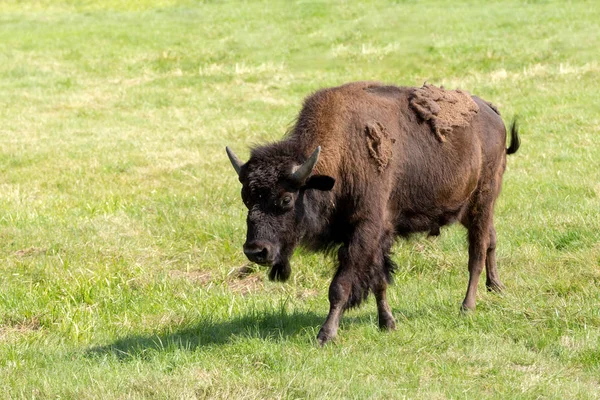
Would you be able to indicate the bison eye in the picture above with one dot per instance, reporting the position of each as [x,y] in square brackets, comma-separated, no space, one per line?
[286,200]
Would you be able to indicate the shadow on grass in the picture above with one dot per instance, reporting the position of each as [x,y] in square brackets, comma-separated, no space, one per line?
[275,326]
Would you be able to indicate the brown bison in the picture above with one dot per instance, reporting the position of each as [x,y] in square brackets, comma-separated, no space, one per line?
[364,163]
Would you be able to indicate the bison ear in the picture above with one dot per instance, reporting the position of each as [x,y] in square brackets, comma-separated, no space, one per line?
[319,182]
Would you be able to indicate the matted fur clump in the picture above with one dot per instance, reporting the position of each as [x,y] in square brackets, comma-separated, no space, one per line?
[379,144]
[444,109]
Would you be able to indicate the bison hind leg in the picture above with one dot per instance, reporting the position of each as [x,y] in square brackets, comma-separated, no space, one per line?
[479,222]
[492,281]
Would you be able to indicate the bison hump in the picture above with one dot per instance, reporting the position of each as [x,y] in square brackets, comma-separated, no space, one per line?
[443,109]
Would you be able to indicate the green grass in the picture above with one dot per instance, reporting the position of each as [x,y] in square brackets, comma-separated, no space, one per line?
[121,223]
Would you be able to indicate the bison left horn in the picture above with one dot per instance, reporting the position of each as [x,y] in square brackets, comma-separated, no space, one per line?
[235,161]
[305,169]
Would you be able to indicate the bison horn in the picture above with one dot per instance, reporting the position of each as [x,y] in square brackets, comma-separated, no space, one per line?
[235,161]
[305,169]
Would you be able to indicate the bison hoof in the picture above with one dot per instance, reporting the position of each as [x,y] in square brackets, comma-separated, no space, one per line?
[324,337]
[387,324]
[497,286]
[467,308]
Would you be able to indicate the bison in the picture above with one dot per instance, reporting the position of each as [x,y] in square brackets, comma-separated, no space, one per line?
[365,163]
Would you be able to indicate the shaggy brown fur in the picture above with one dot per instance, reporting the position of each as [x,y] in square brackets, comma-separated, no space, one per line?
[444,109]
[380,174]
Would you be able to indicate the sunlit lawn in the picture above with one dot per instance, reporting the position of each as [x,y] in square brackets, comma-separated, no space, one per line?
[121,223]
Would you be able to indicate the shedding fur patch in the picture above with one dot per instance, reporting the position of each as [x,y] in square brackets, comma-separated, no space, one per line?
[444,109]
[379,144]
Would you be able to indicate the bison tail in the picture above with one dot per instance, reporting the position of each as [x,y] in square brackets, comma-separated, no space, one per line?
[515,142]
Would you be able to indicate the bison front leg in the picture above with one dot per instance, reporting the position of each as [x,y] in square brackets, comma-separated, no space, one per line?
[383,273]
[359,271]
[339,293]
[386,319]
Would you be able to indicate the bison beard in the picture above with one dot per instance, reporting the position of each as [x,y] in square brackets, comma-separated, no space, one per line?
[394,161]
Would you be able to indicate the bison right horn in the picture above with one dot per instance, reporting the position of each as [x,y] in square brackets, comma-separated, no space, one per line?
[235,161]
[305,169]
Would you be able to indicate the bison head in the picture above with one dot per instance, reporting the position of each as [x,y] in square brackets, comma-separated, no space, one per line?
[274,185]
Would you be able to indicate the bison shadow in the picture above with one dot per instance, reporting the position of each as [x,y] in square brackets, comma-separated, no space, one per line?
[269,326]
[274,326]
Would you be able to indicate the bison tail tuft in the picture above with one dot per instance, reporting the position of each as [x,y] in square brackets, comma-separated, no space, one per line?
[515,141]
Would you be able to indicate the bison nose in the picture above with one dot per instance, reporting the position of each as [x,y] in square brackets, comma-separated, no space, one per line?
[258,252]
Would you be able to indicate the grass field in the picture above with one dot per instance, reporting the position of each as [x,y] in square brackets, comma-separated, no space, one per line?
[121,223]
